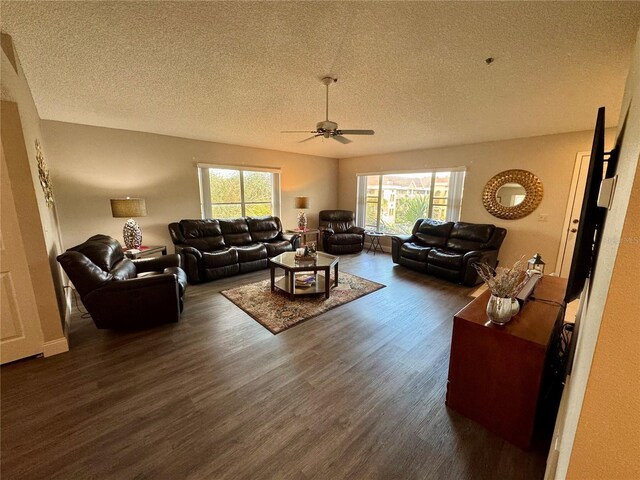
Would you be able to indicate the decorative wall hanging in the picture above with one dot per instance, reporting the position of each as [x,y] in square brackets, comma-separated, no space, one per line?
[43,174]
[512,194]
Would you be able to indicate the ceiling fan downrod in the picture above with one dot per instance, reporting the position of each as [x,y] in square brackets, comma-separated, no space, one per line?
[328,81]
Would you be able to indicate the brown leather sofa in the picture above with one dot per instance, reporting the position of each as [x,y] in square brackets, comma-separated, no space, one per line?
[339,232]
[121,293]
[448,249]
[212,248]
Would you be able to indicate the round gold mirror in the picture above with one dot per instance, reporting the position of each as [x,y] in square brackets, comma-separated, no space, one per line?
[512,194]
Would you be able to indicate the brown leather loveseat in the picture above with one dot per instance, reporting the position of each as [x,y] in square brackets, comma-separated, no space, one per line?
[213,248]
[448,249]
[122,293]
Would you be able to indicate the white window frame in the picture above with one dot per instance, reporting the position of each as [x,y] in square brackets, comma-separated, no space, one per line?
[205,190]
[454,197]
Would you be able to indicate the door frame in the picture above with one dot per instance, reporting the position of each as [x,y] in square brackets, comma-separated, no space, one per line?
[573,191]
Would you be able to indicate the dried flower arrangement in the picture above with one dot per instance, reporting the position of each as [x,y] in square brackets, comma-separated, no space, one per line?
[503,282]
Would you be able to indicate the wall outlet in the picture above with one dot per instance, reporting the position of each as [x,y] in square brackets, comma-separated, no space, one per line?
[543,217]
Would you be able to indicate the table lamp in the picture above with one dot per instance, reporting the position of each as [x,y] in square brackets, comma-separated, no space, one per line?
[129,208]
[302,203]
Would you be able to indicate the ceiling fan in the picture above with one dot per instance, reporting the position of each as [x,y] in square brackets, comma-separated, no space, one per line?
[327,128]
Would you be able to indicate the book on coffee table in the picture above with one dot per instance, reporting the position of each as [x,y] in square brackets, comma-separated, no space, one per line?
[305,279]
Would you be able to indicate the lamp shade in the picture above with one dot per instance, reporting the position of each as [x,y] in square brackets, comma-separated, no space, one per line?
[128,207]
[302,202]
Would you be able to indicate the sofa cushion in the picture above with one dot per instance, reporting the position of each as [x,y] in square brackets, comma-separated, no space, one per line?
[413,251]
[445,258]
[235,231]
[469,236]
[204,235]
[433,233]
[102,250]
[251,253]
[278,247]
[264,229]
[220,258]
[345,239]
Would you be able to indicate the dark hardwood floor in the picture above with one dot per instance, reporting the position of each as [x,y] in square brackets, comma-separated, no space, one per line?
[356,393]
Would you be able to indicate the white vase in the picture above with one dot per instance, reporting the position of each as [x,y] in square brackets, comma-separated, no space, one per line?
[500,310]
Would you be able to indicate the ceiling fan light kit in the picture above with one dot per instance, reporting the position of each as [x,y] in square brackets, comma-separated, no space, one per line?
[327,128]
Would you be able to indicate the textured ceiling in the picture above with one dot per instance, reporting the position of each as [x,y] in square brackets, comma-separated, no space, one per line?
[239,72]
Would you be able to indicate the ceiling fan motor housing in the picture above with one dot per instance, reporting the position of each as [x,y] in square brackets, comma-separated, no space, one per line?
[326,127]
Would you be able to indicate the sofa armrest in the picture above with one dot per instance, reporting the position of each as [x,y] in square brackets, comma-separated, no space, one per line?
[156,264]
[191,262]
[469,276]
[326,234]
[131,284]
[358,230]
[293,238]
[396,243]
[180,276]
[135,303]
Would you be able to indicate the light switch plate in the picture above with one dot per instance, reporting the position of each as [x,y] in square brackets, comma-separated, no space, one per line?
[607,189]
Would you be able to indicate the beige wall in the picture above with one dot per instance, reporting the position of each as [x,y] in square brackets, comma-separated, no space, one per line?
[90,165]
[38,222]
[607,439]
[550,157]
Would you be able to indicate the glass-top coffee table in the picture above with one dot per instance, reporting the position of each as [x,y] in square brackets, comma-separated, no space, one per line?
[320,283]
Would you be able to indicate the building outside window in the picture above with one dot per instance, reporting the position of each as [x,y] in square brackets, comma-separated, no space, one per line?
[392,202]
[232,192]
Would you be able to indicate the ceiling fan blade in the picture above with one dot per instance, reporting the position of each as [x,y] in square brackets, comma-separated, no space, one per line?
[312,136]
[297,131]
[355,132]
[341,139]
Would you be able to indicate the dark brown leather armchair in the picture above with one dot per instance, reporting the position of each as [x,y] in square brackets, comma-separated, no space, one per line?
[122,293]
[339,232]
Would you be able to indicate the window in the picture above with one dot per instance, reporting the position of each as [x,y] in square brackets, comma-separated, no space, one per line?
[231,192]
[392,202]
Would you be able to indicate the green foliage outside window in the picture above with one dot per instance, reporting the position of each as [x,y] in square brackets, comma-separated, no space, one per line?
[408,210]
[225,185]
[226,194]
[226,211]
[257,209]
[257,187]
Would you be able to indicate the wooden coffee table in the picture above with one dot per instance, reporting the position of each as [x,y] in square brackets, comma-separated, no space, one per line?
[287,261]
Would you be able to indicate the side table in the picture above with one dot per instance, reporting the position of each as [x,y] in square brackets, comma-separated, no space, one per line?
[374,241]
[309,235]
[146,251]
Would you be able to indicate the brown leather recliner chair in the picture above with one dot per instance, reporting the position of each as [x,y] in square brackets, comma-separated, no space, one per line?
[339,232]
[122,293]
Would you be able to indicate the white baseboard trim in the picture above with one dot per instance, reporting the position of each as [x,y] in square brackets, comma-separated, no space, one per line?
[54,347]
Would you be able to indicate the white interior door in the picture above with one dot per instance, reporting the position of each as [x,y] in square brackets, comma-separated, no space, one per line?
[572,215]
[20,332]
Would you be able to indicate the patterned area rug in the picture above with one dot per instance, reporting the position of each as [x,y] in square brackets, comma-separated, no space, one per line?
[275,312]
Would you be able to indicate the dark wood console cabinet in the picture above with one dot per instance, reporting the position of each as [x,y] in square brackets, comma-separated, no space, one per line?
[496,372]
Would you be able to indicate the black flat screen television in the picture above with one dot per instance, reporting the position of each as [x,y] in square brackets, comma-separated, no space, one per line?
[591,217]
